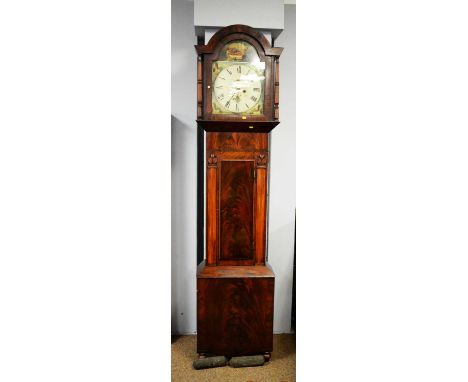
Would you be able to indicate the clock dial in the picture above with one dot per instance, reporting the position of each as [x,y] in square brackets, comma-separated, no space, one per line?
[238,88]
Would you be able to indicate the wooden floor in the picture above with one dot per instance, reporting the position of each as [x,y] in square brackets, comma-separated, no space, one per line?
[281,368]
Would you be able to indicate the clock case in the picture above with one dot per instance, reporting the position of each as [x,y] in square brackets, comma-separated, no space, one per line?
[235,283]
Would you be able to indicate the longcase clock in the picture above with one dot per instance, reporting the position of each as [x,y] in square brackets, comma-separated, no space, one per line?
[237,106]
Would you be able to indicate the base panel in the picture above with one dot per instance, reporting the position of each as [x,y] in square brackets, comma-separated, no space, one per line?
[235,314]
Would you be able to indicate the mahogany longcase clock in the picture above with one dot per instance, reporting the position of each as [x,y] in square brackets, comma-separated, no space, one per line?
[237,105]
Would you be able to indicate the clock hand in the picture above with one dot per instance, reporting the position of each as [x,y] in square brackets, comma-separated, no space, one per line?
[230,99]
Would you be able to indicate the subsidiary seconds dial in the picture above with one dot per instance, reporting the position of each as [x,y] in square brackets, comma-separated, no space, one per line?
[238,88]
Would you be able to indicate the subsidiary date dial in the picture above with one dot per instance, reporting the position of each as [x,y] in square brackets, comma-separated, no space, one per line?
[238,88]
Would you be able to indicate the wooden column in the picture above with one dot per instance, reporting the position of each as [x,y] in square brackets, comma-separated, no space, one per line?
[276,100]
[260,211]
[199,88]
[211,209]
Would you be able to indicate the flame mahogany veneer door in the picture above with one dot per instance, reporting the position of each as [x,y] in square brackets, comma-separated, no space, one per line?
[236,189]
[236,212]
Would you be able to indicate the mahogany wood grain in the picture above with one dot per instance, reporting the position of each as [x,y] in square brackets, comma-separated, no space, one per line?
[236,217]
[231,206]
[260,215]
[236,141]
[237,155]
[211,215]
[235,315]
[234,271]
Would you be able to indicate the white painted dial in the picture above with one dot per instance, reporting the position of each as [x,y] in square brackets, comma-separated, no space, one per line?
[238,88]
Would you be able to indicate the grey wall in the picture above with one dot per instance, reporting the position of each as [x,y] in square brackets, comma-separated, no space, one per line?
[184,146]
[283,177]
[184,170]
[262,14]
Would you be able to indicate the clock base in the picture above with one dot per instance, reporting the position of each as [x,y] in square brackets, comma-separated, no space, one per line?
[235,310]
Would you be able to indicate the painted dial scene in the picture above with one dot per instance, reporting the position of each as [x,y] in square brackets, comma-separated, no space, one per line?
[238,88]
